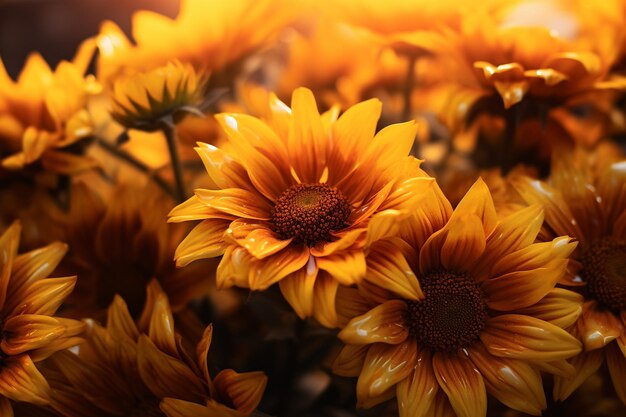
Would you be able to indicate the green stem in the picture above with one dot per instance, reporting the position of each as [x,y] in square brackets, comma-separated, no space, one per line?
[170,137]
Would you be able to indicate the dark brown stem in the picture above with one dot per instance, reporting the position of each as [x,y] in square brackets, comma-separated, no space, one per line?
[170,137]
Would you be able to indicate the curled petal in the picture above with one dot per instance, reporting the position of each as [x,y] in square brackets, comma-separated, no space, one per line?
[598,327]
[244,390]
[384,323]
[260,241]
[206,240]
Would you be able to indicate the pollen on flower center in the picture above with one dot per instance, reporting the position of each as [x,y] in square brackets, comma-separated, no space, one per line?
[604,270]
[451,315]
[309,212]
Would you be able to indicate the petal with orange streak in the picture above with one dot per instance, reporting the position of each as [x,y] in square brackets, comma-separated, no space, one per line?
[350,238]
[28,332]
[324,300]
[206,240]
[478,201]
[161,327]
[119,321]
[45,296]
[385,366]
[462,383]
[9,242]
[598,327]
[256,237]
[307,143]
[585,365]
[270,270]
[523,337]
[433,213]
[384,323]
[520,289]
[234,268]
[388,268]
[191,209]
[236,202]
[348,267]
[464,243]
[350,360]
[166,376]
[560,307]
[243,390]
[616,362]
[297,288]
[21,381]
[223,169]
[514,383]
[349,303]
[416,393]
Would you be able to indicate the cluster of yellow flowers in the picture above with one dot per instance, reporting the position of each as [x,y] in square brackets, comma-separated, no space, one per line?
[443,198]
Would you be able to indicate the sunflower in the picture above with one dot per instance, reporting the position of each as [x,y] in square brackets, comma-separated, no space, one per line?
[44,113]
[117,247]
[465,304]
[208,35]
[591,208]
[299,198]
[128,368]
[30,332]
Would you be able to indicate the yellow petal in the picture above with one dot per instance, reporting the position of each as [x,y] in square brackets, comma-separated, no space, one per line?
[236,202]
[384,323]
[350,360]
[598,327]
[206,240]
[244,390]
[514,383]
[45,296]
[560,307]
[268,271]
[585,365]
[9,242]
[21,381]
[523,337]
[119,321]
[161,328]
[388,268]
[192,209]
[28,332]
[347,267]
[257,238]
[202,351]
[385,366]
[324,300]
[297,288]
[464,243]
[462,383]
[416,393]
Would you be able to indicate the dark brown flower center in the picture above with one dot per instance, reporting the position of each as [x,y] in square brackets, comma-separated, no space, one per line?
[309,212]
[451,315]
[604,270]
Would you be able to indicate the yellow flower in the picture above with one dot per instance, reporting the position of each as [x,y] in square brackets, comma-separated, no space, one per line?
[43,113]
[30,333]
[145,100]
[463,306]
[209,35]
[128,368]
[300,197]
[117,247]
[591,208]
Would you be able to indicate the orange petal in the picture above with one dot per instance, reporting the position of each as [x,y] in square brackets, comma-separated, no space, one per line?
[21,381]
[9,242]
[385,366]
[268,271]
[520,289]
[206,240]
[431,215]
[464,242]
[347,267]
[234,268]
[161,328]
[478,201]
[560,307]
[29,332]
[616,362]
[244,391]
[585,365]
[523,337]
[236,202]
[391,144]
[192,209]
[45,296]
[324,294]
[384,323]
[223,169]
[256,237]
[119,321]
[6,410]
[297,288]
[462,383]
[173,407]
[307,143]
[514,383]
[202,350]
[350,360]
[347,239]
[388,268]
[598,327]
[408,194]
[349,303]
[167,376]
[418,391]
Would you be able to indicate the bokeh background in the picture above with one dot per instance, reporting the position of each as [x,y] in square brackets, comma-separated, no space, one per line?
[56,27]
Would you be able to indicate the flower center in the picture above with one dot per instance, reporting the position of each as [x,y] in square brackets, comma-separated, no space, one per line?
[309,212]
[451,315]
[604,270]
